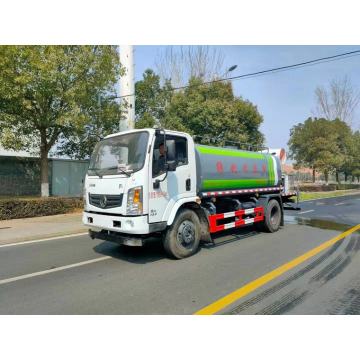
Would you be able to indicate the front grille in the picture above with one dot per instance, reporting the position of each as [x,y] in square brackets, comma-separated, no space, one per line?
[105,201]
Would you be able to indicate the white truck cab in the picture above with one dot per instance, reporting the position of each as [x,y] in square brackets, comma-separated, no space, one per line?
[125,191]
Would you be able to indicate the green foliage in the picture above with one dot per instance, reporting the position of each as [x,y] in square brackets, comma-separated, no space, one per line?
[353,167]
[151,100]
[146,121]
[103,119]
[22,208]
[345,142]
[319,144]
[210,110]
[317,187]
[49,93]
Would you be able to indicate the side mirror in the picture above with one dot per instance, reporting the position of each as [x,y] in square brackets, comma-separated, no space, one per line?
[170,150]
[171,165]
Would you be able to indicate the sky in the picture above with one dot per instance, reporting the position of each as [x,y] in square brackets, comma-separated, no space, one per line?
[285,98]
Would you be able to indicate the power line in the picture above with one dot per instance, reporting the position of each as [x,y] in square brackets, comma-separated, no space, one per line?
[272,70]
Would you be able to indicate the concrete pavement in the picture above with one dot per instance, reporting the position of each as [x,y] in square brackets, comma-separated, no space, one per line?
[18,230]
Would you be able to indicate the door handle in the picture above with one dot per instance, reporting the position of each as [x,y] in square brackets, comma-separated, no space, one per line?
[188,184]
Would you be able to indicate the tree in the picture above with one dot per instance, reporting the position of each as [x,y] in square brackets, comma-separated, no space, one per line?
[102,119]
[315,144]
[151,99]
[339,101]
[179,64]
[344,141]
[49,92]
[355,159]
[212,110]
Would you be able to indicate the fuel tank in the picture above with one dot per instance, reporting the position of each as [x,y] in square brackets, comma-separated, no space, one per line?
[229,169]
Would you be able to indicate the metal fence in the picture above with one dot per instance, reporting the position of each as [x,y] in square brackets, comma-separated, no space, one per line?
[67,177]
[20,176]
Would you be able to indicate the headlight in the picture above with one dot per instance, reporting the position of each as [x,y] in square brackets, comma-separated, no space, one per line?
[135,201]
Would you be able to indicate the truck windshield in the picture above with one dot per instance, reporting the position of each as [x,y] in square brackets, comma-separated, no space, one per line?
[121,154]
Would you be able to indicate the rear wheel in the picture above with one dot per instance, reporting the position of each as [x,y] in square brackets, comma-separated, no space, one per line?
[273,215]
[183,236]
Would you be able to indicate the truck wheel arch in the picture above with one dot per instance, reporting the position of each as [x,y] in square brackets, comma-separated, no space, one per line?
[192,205]
[186,202]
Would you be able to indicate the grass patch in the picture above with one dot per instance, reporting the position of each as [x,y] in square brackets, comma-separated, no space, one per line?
[323,194]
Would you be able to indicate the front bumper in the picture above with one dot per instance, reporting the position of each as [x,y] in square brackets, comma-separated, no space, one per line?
[132,225]
[124,224]
[118,238]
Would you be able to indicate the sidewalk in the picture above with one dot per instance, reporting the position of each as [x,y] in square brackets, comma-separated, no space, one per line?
[18,230]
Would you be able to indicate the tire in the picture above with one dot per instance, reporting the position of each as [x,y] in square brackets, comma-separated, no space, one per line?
[273,216]
[182,238]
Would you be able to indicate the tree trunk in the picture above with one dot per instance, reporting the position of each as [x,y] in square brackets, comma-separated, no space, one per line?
[326,173]
[346,177]
[337,176]
[313,175]
[44,166]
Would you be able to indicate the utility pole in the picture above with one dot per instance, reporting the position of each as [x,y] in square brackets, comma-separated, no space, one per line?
[127,88]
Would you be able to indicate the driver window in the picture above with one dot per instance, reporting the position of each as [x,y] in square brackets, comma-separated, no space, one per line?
[181,153]
[158,166]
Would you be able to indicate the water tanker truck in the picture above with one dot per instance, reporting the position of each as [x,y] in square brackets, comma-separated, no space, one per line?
[151,184]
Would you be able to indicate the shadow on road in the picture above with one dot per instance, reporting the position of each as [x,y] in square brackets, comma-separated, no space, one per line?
[151,252]
[229,236]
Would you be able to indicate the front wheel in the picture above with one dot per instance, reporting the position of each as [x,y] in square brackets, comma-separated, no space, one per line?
[182,239]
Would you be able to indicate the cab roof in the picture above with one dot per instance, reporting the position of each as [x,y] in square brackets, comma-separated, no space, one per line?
[150,130]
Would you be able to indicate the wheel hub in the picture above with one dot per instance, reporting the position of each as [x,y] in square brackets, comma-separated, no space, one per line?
[186,233]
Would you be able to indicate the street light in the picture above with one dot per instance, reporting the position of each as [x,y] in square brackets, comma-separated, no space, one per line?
[229,70]
[226,73]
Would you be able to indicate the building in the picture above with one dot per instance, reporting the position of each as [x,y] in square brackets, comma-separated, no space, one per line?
[20,175]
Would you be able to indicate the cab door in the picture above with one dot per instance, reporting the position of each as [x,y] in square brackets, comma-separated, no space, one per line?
[166,187]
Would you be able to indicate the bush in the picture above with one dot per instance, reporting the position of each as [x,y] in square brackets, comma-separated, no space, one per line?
[317,187]
[329,187]
[22,208]
[347,186]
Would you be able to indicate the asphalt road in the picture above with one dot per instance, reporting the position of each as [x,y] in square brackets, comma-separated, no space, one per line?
[76,275]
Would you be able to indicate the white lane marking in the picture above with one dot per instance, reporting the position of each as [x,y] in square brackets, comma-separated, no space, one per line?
[45,239]
[341,203]
[60,268]
[304,212]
